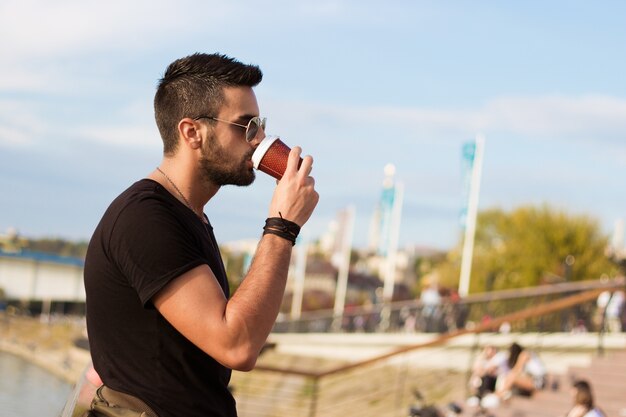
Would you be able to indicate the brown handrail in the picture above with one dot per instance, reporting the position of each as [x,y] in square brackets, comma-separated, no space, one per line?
[548,289]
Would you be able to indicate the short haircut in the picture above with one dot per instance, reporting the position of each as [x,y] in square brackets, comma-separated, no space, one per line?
[193,86]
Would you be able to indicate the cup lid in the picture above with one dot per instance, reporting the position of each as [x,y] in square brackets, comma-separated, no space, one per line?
[259,152]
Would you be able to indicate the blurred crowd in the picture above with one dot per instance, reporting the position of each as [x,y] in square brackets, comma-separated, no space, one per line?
[497,376]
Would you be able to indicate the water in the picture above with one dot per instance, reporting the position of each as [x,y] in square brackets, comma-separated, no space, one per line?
[26,390]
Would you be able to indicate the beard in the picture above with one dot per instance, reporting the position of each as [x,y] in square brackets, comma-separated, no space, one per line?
[218,167]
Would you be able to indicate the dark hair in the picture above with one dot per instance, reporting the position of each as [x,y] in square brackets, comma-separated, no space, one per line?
[583,396]
[514,352]
[193,86]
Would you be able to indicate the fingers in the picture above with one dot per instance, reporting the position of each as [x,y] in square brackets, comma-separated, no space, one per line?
[308,181]
[293,160]
[295,196]
[295,163]
[307,166]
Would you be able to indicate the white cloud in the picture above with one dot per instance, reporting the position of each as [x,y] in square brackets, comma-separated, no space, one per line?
[41,37]
[126,136]
[598,118]
[43,34]
[19,124]
[17,78]
[48,29]
[321,8]
[12,137]
[595,116]
[615,151]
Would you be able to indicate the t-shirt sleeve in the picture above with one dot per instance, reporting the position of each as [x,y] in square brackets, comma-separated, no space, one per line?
[152,246]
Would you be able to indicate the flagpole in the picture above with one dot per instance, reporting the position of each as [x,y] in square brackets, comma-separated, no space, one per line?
[344,267]
[390,260]
[394,234]
[299,273]
[472,212]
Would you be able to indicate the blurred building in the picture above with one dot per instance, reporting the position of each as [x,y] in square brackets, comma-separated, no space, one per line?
[617,250]
[320,283]
[42,283]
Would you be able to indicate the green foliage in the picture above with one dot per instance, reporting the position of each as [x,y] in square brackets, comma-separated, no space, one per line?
[426,265]
[233,263]
[56,246]
[59,247]
[530,246]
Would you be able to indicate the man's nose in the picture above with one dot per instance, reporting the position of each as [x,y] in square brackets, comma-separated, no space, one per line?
[260,135]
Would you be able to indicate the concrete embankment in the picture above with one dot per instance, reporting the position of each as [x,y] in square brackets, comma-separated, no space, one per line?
[48,344]
[558,350]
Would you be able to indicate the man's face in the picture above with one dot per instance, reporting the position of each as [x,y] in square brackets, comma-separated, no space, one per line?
[226,156]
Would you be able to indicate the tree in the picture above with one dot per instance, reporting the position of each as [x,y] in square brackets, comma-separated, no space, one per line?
[58,246]
[14,242]
[530,246]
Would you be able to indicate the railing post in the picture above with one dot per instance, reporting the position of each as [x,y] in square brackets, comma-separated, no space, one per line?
[601,343]
[470,365]
[385,317]
[314,394]
[601,333]
[402,377]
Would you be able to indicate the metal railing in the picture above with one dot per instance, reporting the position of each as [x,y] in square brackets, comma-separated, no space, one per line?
[381,386]
[449,315]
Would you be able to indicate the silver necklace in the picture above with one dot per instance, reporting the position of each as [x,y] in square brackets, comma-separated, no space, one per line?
[180,193]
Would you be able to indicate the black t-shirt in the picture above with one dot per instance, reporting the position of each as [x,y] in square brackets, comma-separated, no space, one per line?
[145,239]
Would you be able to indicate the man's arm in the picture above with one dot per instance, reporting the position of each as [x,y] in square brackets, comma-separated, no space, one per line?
[234,331]
[230,331]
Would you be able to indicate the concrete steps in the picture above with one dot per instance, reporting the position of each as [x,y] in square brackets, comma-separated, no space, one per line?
[607,376]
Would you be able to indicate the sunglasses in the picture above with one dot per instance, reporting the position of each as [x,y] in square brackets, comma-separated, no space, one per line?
[252,128]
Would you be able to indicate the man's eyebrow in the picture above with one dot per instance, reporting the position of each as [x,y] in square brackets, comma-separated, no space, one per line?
[246,117]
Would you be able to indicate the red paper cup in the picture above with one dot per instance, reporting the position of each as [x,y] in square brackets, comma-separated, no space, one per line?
[271,156]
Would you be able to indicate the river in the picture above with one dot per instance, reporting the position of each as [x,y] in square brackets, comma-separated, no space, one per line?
[26,390]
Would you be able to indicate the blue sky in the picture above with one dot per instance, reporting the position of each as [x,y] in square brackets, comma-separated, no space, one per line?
[358,84]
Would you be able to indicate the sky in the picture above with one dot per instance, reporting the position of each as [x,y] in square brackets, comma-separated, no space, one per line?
[357,84]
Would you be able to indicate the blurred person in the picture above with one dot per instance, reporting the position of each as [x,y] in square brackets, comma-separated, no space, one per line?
[505,328]
[519,372]
[583,401]
[460,311]
[163,330]
[522,374]
[408,320]
[431,302]
[485,372]
[579,327]
[610,309]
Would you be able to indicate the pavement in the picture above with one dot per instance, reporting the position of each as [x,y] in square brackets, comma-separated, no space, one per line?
[558,350]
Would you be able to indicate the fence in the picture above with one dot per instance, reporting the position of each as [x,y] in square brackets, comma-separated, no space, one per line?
[454,314]
[384,385]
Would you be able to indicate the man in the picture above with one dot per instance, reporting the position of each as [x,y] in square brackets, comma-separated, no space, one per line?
[163,332]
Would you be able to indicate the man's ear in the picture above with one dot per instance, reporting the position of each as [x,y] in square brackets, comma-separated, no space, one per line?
[189,133]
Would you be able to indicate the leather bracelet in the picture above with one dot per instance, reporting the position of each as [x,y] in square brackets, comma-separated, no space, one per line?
[281,234]
[282,227]
[283,224]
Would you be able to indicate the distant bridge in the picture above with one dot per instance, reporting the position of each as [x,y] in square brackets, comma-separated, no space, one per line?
[35,277]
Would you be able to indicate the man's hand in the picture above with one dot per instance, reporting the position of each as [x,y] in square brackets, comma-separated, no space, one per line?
[295,197]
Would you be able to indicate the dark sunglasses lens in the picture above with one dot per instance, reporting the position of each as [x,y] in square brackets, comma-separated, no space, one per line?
[253,129]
